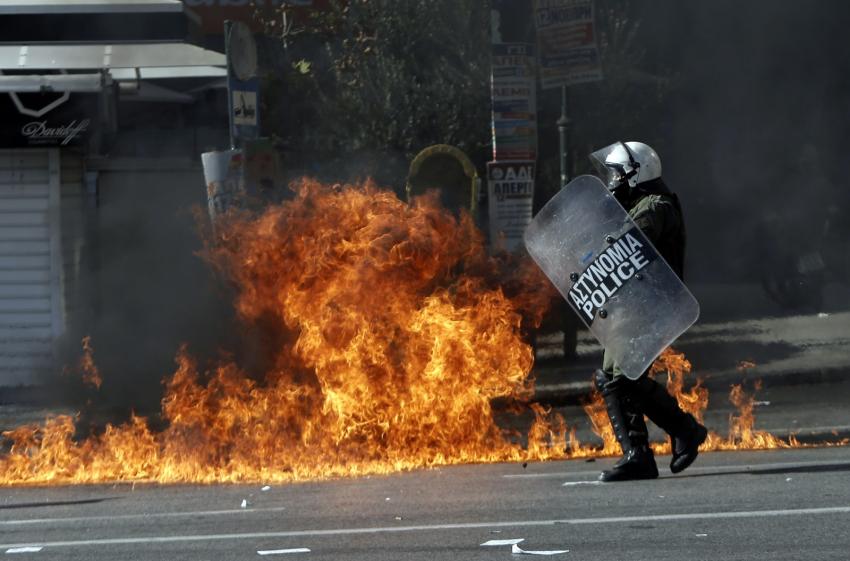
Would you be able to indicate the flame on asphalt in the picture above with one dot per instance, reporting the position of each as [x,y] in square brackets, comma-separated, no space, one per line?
[386,332]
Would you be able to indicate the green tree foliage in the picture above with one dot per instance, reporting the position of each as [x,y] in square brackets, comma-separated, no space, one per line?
[382,76]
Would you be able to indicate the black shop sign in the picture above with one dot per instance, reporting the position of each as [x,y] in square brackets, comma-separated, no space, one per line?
[67,123]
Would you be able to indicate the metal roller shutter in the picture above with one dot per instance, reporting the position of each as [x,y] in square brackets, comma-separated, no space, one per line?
[31,306]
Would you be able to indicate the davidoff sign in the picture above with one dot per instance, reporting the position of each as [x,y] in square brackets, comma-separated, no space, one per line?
[40,132]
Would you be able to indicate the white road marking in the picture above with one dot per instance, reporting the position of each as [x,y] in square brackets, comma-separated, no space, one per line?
[492,543]
[437,527]
[24,549]
[283,551]
[145,516]
[691,470]
[517,550]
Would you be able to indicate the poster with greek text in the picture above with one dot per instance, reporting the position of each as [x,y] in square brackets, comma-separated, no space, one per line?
[566,39]
[514,118]
[510,196]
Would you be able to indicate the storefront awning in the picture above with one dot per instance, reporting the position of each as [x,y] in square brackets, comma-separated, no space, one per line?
[105,57]
[167,73]
[42,7]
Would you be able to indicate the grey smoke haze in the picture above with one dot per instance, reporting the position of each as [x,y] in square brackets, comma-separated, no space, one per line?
[147,291]
[757,126]
[752,138]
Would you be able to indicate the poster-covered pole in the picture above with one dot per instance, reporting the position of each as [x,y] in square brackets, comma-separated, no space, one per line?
[513,81]
[563,131]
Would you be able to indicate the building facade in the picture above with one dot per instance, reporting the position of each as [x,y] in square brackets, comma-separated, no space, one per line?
[105,107]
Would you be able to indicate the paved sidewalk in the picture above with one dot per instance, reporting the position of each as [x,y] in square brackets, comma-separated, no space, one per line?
[803,349]
[813,413]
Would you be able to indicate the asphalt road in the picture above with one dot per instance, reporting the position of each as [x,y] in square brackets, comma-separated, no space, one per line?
[790,504]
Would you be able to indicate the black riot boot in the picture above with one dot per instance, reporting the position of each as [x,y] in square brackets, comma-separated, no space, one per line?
[686,434]
[629,427]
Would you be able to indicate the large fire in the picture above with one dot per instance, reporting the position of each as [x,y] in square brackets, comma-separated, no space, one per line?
[387,333]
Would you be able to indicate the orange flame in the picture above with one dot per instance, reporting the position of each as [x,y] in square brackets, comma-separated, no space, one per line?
[741,435]
[390,334]
[91,374]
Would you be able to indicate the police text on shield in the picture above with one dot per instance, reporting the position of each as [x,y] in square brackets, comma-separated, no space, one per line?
[609,272]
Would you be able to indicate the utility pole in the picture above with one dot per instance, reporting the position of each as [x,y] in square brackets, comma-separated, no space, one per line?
[563,137]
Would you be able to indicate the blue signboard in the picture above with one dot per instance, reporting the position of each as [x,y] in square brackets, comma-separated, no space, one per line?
[244,108]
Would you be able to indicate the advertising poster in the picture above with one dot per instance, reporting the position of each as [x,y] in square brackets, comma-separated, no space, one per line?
[224,179]
[566,41]
[513,93]
[510,196]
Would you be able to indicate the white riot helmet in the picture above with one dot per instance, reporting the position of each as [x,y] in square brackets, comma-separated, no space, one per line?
[621,162]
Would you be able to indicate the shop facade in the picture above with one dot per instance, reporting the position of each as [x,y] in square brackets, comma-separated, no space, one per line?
[86,119]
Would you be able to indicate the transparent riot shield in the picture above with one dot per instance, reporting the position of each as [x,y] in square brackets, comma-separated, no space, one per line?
[611,275]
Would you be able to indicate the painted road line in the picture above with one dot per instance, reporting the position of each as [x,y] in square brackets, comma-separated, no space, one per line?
[142,516]
[283,551]
[437,527]
[28,549]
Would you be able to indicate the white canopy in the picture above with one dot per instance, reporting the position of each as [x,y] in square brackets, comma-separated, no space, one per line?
[88,6]
[100,57]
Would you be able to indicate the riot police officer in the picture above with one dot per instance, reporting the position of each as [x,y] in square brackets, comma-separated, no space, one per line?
[632,172]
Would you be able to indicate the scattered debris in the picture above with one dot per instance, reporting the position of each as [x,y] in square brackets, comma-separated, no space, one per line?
[387,499]
[282,551]
[788,479]
[745,365]
[590,460]
[244,503]
[761,403]
[26,549]
[398,518]
[823,315]
[502,542]
[701,535]
[265,488]
[495,531]
[517,550]
[524,465]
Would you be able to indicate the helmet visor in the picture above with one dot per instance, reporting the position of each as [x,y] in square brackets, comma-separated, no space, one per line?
[614,164]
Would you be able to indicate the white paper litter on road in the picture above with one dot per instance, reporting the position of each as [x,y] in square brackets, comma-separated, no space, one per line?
[244,503]
[517,550]
[502,542]
[266,488]
[701,535]
[574,483]
[28,549]
[283,551]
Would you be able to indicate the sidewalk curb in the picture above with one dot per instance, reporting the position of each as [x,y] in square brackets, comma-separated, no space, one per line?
[578,392]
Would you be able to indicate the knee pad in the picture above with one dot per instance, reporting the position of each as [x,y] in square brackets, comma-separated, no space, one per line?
[601,379]
[646,386]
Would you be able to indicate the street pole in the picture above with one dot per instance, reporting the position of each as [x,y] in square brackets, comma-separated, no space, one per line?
[570,325]
[563,124]
[228,26]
